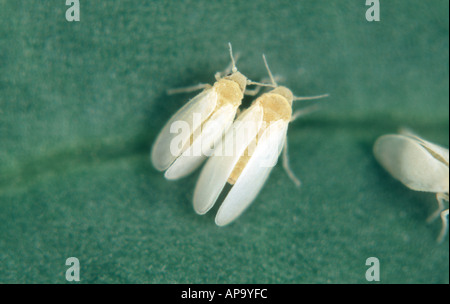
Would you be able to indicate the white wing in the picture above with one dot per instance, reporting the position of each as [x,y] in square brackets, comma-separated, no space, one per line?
[439,151]
[203,104]
[211,133]
[255,173]
[411,163]
[218,168]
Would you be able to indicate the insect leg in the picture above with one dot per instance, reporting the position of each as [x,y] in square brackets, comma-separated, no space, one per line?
[304,111]
[444,230]
[193,88]
[286,167]
[440,197]
[252,92]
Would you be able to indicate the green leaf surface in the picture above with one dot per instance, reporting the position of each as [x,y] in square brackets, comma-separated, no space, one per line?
[82,102]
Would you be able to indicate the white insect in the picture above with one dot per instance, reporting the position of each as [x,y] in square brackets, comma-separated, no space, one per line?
[205,118]
[418,164]
[246,170]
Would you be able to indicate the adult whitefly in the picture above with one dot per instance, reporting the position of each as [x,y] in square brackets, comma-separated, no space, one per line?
[418,164]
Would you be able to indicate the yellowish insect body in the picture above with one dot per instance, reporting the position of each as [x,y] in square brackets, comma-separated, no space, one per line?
[418,164]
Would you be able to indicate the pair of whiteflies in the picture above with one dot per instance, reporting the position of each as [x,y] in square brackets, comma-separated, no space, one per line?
[246,171]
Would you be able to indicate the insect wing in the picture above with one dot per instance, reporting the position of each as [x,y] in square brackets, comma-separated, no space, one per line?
[203,104]
[218,168]
[410,162]
[438,151]
[211,133]
[255,173]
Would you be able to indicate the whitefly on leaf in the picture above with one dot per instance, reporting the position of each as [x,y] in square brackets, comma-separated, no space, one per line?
[418,164]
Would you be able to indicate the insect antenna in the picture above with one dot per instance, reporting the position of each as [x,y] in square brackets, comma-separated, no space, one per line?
[269,72]
[273,85]
[311,97]
[234,69]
